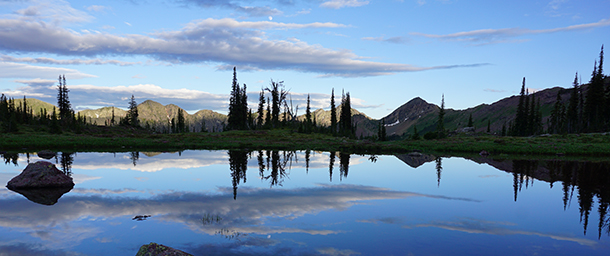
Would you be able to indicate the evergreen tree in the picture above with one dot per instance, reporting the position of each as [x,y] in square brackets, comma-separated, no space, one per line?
[333,113]
[181,122]
[63,102]
[345,118]
[521,115]
[440,126]
[308,121]
[572,112]
[503,133]
[595,100]
[132,113]
[238,106]
[470,124]
[261,109]
[381,131]
[268,116]
[555,118]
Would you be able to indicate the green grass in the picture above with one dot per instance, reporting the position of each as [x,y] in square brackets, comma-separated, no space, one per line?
[128,139]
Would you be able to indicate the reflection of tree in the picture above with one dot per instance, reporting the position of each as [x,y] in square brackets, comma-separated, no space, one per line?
[307,156]
[238,164]
[343,165]
[439,170]
[134,157]
[10,158]
[67,158]
[331,164]
[591,178]
[522,172]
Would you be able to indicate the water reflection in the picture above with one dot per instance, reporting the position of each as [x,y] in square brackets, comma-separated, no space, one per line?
[319,208]
[591,178]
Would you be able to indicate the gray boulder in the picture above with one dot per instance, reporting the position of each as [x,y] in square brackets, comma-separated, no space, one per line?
[154,249]
[41,174]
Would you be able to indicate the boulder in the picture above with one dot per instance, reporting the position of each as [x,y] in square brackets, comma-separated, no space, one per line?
[41,174]
[154,249]
[46,154]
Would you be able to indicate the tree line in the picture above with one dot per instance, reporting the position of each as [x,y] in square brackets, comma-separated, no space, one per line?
[276,111]
[587,110]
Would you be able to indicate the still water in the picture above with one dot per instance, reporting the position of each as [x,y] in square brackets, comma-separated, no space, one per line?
[309,203]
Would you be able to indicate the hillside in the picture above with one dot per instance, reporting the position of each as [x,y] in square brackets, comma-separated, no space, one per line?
[399,123]
[36,105]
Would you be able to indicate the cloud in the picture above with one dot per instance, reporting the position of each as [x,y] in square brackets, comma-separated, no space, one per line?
[338,4]
[43,60]
[224,41]
[53,11]
[394,40]
[254,11]
[493,90]
[98,8]
[37,82]
[16,70]
[491,36]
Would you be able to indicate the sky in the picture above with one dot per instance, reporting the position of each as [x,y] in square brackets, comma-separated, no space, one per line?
[384,53]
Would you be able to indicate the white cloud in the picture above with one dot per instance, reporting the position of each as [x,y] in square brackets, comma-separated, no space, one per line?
[44,60]
[337,4]
[394,39]
[37,82]
[16,70]
[489,36]
[224,41]
[97,8]
[54,11]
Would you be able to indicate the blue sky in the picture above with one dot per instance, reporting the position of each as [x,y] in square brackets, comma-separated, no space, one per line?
[383,52]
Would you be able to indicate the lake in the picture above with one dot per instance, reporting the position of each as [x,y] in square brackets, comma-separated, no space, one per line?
[309,203]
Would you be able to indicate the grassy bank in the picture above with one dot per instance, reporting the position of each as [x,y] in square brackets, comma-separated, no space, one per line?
[128,139]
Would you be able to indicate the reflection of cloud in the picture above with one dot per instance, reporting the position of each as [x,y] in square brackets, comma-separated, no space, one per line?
[388,220]
[23,249]
[103,191]
[187,160]
[248,214]
[496,228]
[80,178]
[335,252]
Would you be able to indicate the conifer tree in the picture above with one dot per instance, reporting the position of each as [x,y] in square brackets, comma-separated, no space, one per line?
[181,122]
[268,116]
[308,121]
[132,113]
[470,124]
[440,126]
[382,131]
[261,109]
[345,118]
[238,106]
[333,113]
[572,112]
[518,128]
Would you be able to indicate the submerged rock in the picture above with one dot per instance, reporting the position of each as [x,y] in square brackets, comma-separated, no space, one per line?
[154,249]
[41,174]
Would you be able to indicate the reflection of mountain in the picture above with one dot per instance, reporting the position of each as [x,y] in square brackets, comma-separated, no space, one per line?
[416,159]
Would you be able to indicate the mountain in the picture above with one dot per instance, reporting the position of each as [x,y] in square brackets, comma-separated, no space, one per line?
[425,115]
[154,114]
[36,105]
